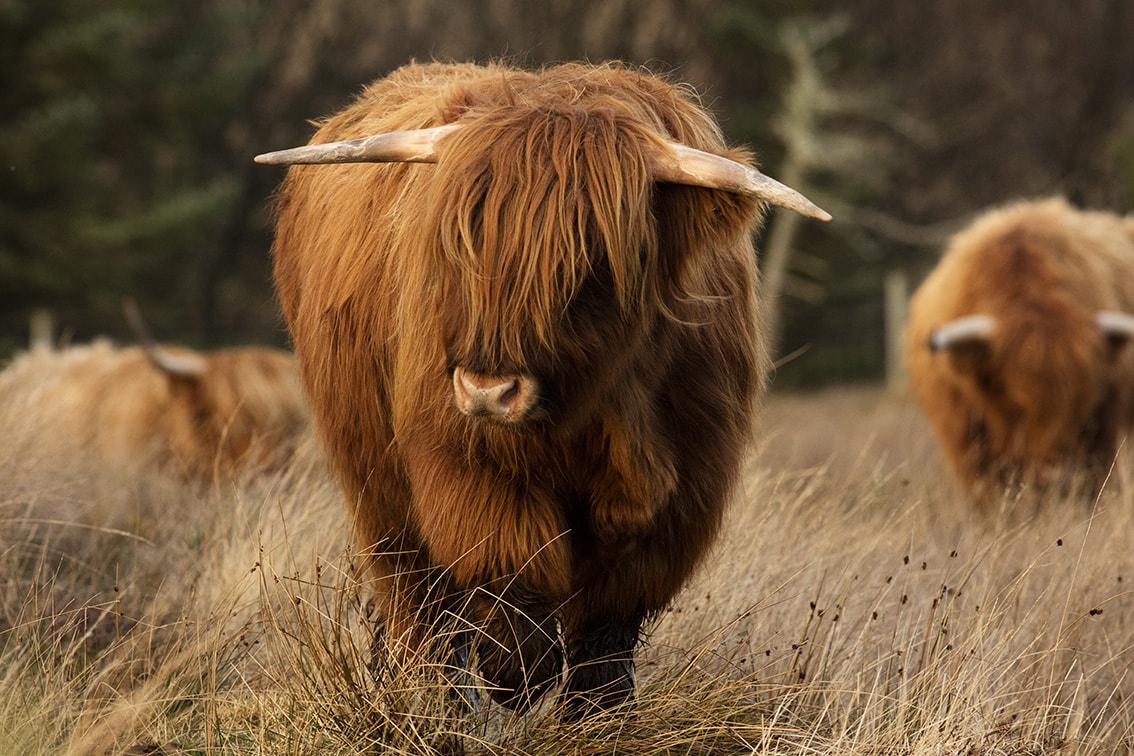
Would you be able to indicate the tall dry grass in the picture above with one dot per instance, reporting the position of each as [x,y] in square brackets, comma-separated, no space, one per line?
[854,604]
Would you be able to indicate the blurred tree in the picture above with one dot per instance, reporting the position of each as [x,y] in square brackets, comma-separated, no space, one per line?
[947,107]
[113,142]
[1023,97]
[830,137]
[1120,149]
[128,127]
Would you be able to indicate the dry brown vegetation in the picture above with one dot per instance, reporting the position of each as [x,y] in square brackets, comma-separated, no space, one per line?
[853,605]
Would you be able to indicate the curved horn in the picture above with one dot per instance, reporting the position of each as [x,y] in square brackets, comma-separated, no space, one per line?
[177,365]
[683,165]
[967,329]
[417,146]
[1115,325]
[693,167]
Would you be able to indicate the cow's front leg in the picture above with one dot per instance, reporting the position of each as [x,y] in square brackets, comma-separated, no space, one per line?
[462,682]
[518,648]
[600,667]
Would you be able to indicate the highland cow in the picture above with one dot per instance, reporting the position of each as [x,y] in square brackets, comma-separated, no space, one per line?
[534,361]
[201,417]
[1017,351]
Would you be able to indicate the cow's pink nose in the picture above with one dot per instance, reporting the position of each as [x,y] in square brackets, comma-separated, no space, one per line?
[507,398]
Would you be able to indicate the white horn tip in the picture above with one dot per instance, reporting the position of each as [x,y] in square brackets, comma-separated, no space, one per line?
[280,157]
[818,213]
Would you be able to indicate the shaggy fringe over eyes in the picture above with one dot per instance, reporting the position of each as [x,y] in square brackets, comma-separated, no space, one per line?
[522,221]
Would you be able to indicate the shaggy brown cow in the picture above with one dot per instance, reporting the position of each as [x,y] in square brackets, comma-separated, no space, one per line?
[199,415]
[534,363]
[1015,345]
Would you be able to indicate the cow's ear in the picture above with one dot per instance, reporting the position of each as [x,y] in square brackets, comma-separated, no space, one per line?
[1117,327]
[694,218]
[965,342]
[972,358]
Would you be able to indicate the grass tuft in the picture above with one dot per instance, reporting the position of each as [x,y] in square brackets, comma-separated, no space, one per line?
[854,604]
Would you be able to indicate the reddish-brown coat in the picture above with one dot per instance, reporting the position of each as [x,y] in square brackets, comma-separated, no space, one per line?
[1049,395]
[537,244]
[244,413]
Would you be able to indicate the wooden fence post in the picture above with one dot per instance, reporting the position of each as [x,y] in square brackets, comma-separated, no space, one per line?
[41,329]
[896,288]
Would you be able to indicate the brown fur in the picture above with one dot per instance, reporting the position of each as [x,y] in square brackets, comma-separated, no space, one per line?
[1049,397]
[244,413]
[538,242]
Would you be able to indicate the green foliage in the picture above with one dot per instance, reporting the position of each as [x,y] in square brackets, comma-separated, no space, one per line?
[1121,149]
[127,129]
[119,178]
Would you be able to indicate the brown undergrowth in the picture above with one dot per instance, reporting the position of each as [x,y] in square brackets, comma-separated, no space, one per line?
[854,604]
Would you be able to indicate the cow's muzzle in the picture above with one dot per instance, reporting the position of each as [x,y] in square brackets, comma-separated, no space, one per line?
[503,398]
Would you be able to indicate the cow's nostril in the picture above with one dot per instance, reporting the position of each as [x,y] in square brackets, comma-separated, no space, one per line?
[510,394]
[504,398]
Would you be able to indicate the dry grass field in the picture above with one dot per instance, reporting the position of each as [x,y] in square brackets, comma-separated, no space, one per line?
[855,604]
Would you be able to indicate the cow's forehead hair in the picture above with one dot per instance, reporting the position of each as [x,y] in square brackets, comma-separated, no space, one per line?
[523,218]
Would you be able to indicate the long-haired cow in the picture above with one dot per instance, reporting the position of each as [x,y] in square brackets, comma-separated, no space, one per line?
[199,416]
[533,362]
[1016,345]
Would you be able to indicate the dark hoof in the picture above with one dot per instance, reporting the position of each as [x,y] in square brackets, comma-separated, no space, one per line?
[596,687]
[520,677]
[463,687]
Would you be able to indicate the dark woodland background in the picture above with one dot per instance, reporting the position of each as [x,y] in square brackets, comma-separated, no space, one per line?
[127,130]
